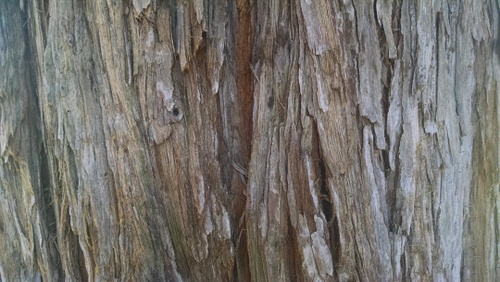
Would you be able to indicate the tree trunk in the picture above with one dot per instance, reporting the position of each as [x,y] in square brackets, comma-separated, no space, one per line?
[249,140]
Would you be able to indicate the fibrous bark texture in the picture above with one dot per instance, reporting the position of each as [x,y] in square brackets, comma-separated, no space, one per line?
[249,140]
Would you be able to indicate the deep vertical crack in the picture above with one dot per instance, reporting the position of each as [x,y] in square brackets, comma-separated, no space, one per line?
[244,78]
[244,88]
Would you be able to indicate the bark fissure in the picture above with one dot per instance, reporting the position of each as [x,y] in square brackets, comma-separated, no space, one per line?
[244,87]
[129,52]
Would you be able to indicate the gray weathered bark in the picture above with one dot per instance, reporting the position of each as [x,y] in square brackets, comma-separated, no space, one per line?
[249,140]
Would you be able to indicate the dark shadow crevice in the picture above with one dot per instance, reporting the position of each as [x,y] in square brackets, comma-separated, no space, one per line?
[244,77]
[72,168]
[81,263]
[326,202]
[326,198]
[244,108]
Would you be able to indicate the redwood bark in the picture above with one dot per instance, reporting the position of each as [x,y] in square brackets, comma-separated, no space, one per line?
[249,140]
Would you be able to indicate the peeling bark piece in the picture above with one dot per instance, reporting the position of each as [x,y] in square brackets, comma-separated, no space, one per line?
[316,16]
[140,5]
[158,132]
[384,13]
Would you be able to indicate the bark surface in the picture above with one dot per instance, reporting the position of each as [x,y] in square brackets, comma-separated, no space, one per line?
[249,140]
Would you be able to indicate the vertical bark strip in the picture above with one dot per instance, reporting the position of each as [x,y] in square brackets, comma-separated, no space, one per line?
[27,237]
[249,140]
